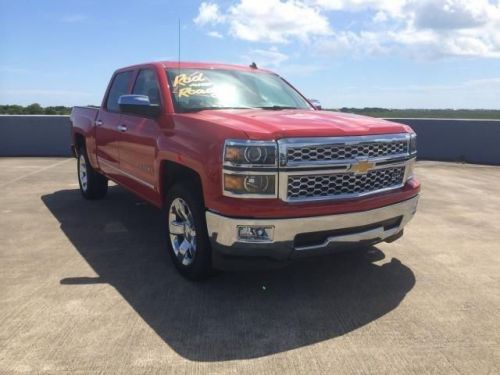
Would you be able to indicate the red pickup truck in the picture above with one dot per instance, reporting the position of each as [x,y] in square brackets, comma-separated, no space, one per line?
[244,166]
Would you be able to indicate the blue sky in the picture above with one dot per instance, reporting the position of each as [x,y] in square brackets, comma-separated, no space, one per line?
[353,53]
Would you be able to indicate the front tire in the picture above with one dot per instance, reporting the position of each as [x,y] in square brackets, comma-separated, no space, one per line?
[187,237]
[92,184]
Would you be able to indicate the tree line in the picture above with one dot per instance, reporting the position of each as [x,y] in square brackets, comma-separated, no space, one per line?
[37,109]
[424,113]
[34,109]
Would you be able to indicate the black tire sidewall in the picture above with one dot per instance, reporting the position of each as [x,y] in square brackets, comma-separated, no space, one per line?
[97,184]
[85,192]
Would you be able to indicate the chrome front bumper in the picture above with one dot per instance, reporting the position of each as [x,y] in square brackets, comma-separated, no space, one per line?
[223,232]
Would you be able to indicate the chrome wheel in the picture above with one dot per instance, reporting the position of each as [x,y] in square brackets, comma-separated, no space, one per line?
[82,172]
[182,231]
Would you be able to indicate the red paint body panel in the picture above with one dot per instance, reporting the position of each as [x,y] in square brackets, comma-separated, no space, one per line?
[255,208]
[195,140]
[259,124]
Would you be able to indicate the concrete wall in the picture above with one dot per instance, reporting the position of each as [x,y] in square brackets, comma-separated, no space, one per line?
[473,141]
[35,135]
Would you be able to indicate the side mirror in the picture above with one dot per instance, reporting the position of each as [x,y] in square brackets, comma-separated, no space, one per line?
[315,103]
[138,105]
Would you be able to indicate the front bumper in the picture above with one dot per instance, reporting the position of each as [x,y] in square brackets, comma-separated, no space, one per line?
[307,236]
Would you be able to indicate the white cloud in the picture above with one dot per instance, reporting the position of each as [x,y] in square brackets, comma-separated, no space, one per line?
[421,29]
[380,16]
[392,7]
[271,21]
[208,14]
[270,58]
[354,44]
[215,34]
[451,14]
[416,28]
[276,21]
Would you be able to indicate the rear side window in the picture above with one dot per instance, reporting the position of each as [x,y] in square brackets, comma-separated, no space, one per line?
[147,84]
[118,87]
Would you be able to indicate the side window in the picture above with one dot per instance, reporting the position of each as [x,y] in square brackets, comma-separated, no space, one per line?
[118,87]
[147,84]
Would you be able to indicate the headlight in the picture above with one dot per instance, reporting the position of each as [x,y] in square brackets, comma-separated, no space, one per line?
[250,185]
[413,144]
[244,164]
[250,153]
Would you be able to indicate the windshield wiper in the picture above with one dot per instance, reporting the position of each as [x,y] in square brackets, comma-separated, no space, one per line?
[196,109]
[277,107]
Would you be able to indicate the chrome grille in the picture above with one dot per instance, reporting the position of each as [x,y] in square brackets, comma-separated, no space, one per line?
[340,185]
[336,152]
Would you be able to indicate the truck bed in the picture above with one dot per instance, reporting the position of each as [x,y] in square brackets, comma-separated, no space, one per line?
[84,117]
[82,122]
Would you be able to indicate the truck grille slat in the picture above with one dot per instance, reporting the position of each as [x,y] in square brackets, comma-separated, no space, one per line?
[346,167]
[343,184]
[346,152]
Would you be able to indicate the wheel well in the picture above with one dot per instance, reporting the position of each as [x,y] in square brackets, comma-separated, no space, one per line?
[79,141]
[173,173]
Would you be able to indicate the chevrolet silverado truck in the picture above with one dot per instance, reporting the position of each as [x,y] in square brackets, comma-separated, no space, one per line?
[246,169]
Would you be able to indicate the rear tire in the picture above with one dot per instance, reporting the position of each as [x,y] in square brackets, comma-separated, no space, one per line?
[186,232]
[93,185]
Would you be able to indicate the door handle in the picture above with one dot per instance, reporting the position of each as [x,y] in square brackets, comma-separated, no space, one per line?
[98,123]
[122,128]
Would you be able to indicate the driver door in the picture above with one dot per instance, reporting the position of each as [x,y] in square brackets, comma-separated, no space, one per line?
[138,138]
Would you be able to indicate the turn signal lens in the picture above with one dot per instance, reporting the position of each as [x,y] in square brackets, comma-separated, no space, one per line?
[233,154]
[233,182]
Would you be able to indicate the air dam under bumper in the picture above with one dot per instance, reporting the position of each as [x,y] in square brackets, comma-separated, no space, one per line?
[307,236]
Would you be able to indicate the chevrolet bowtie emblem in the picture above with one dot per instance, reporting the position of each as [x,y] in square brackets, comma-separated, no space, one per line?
[362,166]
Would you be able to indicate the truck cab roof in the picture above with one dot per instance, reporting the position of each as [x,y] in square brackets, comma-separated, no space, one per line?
[195,65]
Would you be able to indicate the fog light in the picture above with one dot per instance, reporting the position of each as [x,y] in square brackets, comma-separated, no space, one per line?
[255,233]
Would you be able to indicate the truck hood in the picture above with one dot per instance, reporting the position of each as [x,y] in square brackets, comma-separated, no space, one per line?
[275,124]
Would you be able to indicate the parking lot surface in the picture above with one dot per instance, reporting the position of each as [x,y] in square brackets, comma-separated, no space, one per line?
[85,288]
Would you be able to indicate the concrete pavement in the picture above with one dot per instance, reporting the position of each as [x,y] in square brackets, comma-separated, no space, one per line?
[85,288]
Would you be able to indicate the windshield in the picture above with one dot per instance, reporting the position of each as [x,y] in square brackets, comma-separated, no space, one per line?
[198,89]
